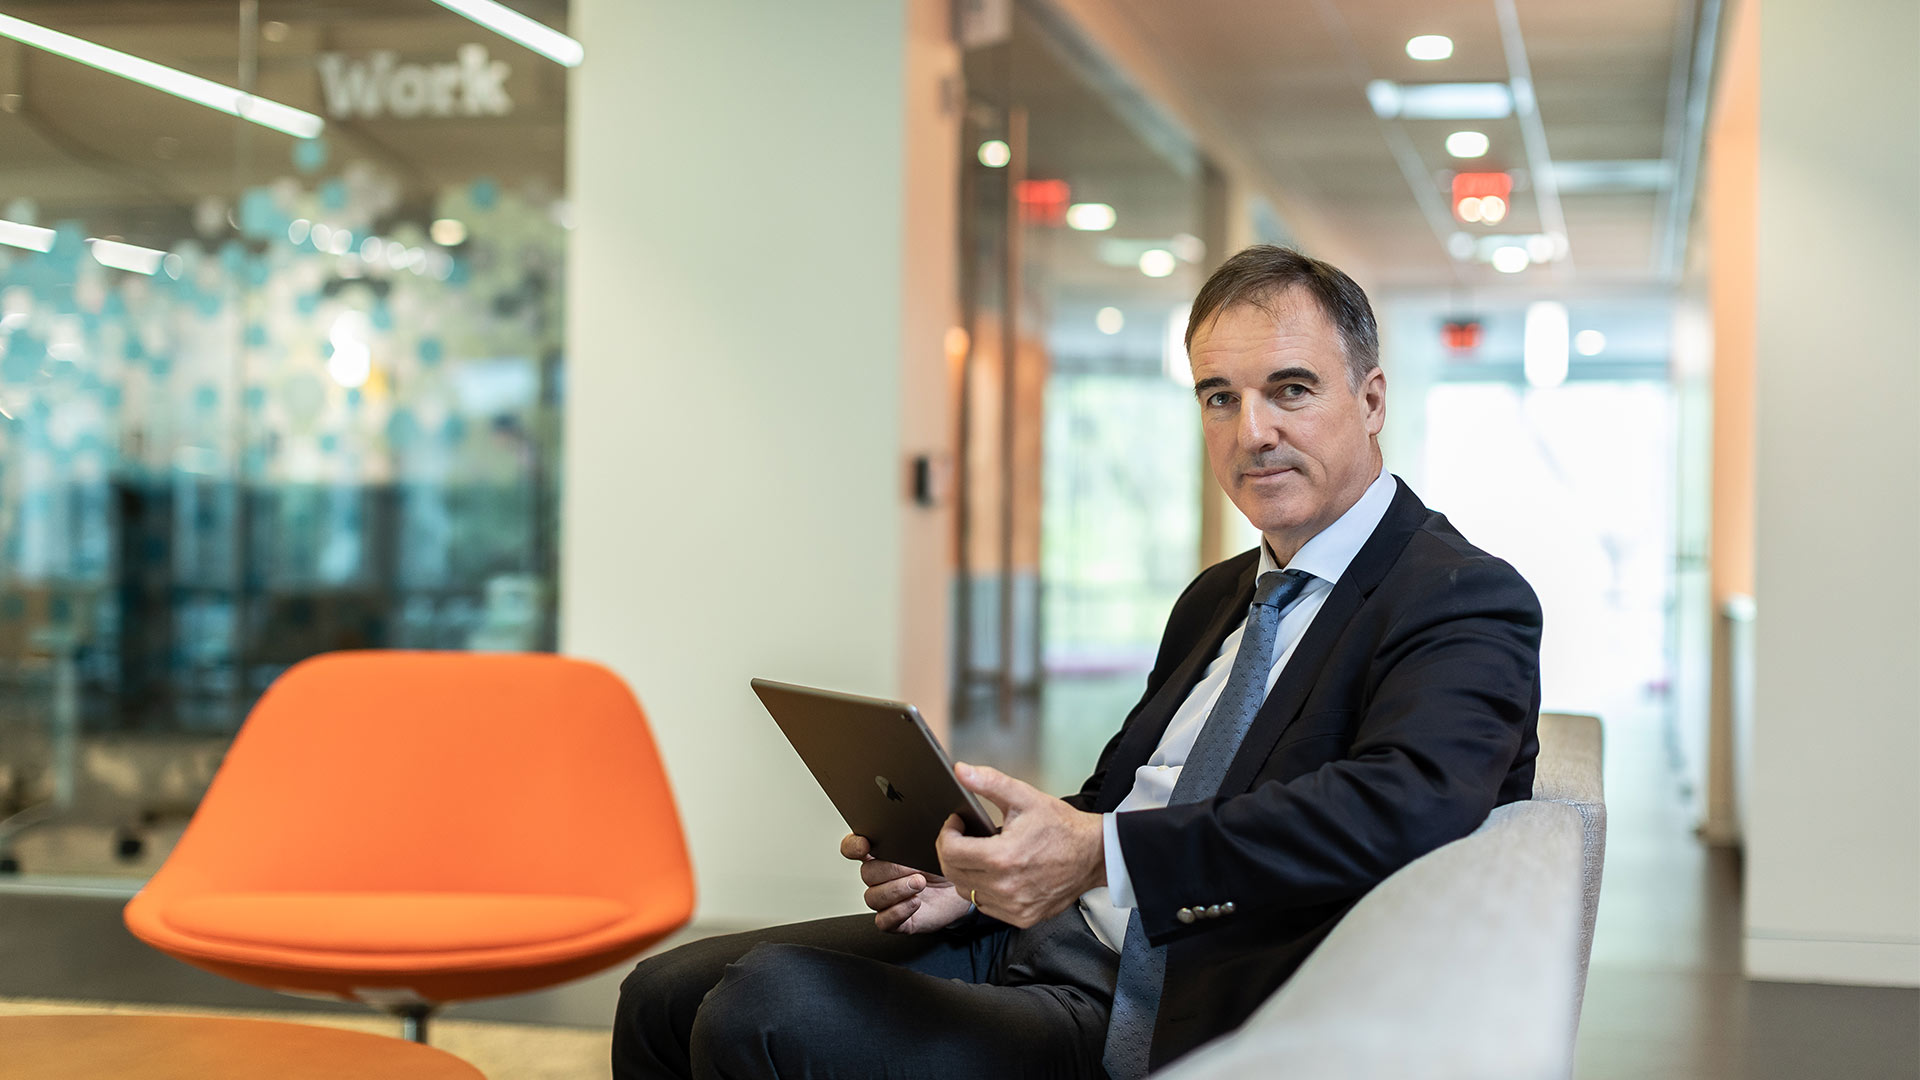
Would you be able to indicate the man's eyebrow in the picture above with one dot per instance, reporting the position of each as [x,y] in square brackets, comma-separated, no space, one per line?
[1292,374]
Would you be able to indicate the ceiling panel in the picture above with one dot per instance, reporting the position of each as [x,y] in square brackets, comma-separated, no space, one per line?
[1285,80]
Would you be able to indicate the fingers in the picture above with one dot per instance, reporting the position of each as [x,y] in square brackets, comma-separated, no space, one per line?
[893,918]
[855,847]
[888,894]
[961,854]
[1008,793]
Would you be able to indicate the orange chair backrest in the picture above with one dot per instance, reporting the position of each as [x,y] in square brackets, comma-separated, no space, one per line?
[438,771]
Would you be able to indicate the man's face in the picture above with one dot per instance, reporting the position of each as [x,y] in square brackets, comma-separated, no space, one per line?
[1288,439]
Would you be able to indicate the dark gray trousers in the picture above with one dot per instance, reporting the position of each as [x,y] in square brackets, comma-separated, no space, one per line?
[840,998]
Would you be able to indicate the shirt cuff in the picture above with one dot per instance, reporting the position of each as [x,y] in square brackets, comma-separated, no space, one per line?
[1119,883]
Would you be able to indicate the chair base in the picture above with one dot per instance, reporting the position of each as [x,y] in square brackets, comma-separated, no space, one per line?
[413,1020]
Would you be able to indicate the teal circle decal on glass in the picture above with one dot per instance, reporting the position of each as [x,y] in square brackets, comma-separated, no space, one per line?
[260,216]
[309,154]
[25,353]
[402,429]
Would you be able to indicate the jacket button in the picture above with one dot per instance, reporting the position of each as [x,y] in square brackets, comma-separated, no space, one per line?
[1213,911]
[1185,914]
[1226,908]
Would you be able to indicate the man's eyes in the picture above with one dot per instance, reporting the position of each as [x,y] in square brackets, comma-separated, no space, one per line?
[1288,392]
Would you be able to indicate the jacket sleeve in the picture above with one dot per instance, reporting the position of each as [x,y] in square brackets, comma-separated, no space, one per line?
[1449,694]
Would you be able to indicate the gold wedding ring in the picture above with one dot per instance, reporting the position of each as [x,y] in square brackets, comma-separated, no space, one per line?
[970,895]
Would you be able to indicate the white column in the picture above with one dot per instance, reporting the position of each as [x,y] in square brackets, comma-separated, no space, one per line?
[739,348]
[1832,860]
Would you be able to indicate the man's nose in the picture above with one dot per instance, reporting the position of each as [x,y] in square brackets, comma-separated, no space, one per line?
[1259,424]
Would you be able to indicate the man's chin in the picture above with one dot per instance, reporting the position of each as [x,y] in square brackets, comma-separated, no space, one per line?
[1272,519]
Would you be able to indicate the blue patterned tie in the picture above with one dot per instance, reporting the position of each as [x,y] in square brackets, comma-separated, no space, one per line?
[1143,967]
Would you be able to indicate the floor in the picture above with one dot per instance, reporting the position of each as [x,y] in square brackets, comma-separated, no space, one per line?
[1665,999]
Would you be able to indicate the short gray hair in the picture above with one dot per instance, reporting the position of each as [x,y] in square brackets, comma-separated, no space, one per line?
[1263,272]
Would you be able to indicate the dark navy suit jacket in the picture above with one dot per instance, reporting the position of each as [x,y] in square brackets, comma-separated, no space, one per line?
[1407,712]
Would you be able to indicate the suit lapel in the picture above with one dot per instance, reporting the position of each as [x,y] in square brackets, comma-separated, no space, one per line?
[1302,672]
[1138,744]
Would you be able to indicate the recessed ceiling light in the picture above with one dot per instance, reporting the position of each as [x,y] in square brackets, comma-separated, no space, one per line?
[1430,47]
[1090,217]
[1467,144]
[448,232]
[1110,320]
[1156,262]
[1510,259]
[1589,342]
[995,154]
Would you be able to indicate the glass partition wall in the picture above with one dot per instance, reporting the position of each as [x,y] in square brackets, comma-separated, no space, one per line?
[263,394]
[1079,460]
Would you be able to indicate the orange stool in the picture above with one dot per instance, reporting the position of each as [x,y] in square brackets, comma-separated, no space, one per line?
[413,828]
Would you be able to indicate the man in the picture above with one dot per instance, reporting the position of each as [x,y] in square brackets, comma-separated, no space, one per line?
[1357,691]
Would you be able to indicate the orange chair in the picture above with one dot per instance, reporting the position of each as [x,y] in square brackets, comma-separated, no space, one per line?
[413,828]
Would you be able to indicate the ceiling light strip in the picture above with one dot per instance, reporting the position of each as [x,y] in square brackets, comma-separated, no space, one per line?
[1533,134]
[516,27]
[30,237]
[124,256]
[213,95]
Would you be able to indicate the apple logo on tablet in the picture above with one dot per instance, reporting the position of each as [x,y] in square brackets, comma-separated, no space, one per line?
[886,788]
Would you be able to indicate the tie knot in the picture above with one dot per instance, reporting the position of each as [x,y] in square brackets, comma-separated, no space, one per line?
[1277,588]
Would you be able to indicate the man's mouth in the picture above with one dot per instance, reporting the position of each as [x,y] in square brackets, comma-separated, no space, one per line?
[1261,474]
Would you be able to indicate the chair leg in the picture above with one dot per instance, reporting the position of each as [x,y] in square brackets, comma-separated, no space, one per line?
[413,1022]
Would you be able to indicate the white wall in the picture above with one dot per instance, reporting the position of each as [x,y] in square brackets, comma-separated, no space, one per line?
[735,502]
[1833,859]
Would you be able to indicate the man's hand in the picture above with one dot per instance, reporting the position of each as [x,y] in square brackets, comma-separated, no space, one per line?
[907,901]
[1046,855]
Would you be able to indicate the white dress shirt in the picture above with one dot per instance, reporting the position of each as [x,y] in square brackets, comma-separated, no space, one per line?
[1326,557]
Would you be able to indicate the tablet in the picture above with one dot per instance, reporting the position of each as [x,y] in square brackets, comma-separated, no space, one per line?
[881,766]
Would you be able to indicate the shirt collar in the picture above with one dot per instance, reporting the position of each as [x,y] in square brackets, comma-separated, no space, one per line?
[1333,548]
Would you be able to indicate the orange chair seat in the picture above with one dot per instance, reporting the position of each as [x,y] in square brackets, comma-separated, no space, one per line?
[405,828]
[326,922]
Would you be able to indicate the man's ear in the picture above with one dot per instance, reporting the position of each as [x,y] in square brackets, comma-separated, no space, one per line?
[1373,392]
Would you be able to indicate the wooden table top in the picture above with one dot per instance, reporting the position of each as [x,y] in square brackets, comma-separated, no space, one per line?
[209,1048]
